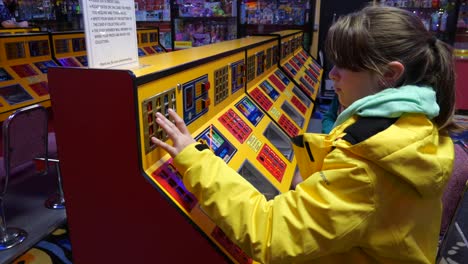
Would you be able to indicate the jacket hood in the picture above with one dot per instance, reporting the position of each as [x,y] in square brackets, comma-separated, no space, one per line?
[413,150]
[394,102]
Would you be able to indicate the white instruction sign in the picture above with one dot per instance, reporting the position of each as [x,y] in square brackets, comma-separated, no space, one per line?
[110,30]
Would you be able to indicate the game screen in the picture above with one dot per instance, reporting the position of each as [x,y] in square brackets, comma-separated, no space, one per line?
[39,48]
[217,143]
[43,66]
[268,89]
[141,52]
[14,94]
[4,76]
[250,110]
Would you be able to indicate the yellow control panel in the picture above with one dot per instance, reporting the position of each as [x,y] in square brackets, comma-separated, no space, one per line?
[148,42]
[24,61]
[274,92]
[70,48]
[206,87]
[298,64]
[8,31]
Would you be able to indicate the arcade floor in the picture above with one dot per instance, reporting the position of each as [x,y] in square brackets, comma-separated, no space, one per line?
[25,209]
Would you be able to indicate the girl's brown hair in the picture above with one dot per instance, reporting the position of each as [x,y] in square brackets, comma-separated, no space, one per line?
[371,38]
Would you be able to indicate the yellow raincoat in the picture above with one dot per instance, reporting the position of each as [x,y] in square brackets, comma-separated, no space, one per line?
[371,194]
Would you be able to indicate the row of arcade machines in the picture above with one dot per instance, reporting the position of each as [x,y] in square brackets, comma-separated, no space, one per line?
[244,98]
[26,56]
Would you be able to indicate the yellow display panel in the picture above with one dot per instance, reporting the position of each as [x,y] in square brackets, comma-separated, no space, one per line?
[70,48]
[24,59]
[148,42]
[298,64]
[233,126]
[275,93]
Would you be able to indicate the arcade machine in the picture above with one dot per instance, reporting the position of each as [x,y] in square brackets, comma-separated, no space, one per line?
[24,61]
[276,93]
[298,64]
[69,48]
[148,42]
[115,179]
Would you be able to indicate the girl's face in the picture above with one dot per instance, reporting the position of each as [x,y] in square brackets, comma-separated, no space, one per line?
[351,86]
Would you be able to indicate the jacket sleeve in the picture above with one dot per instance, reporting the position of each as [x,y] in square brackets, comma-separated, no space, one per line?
[324,214]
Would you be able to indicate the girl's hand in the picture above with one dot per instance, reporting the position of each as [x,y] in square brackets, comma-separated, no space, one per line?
[177,132]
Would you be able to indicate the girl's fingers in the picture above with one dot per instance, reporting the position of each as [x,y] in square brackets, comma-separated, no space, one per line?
[179,123]
[171,130]
[168,148]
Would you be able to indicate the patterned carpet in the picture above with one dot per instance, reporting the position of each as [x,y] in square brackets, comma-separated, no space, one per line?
[54,249]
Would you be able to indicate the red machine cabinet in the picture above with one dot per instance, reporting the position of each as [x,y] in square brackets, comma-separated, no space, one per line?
[113,213]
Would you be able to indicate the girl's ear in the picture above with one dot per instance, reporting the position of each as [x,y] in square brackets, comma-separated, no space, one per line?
[393,72]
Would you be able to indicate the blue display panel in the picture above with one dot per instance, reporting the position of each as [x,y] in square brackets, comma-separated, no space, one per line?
[68,62]
[158,48]
[196,100]
[250,110]
[269,90]
[237,73]
[290,69]
[282,77]
[141,52]
[217,143]
[4,75]
[14,94]
[43,66]
[297,61]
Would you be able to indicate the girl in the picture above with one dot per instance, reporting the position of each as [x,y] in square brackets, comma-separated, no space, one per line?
[372,187]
